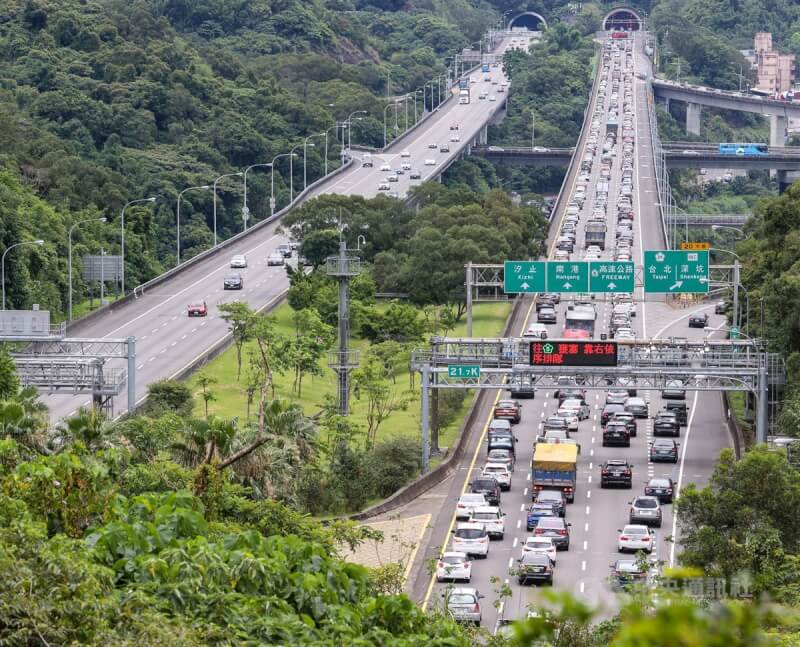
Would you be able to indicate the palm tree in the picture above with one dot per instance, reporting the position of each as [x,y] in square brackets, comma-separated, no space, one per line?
[206,440]
[17,424]
[89,426]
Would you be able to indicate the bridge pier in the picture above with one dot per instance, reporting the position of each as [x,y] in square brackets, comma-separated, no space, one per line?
[777,130]
[693,112]
[483,136]
[785,179]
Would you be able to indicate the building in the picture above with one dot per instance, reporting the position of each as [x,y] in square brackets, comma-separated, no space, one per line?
[775,70]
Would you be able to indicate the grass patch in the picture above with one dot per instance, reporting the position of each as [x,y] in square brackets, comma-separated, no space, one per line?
[81,308]
[736,399]
[231,395]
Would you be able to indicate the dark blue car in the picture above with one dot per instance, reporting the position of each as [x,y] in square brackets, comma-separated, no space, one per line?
[536,512]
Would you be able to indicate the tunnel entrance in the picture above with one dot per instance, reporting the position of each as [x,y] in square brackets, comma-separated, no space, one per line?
[625,19]
[529,20]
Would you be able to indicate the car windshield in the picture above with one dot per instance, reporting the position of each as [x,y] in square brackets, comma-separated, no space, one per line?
[471,498]
[635,530]
[659,482]
[461,598]
[646,503]
[663,444]
[506,404]
[485,516]
[452,559]
[232,277]
[470,533]
[495,468]
[499,455]
[195,305]
[484,484]
[544,510]
[628,567]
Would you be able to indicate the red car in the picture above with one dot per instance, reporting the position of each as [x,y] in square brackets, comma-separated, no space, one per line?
[508,410]
[199,309]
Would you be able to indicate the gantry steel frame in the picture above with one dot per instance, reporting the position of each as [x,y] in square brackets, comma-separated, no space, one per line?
[77,365]
[701,365]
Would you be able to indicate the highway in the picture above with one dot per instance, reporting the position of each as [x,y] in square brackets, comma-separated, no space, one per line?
[597,513]
[167,341]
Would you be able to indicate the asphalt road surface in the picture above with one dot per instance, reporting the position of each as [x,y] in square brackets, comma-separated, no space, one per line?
[597,514]
[167,340]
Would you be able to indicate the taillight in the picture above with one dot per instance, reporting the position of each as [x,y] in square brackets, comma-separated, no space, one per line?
[567,489]
[476,608]
[669,490]
[441,564]
[538,531]
[627,472]
[624,538]
[646,539]
[633,510]
[605,471]
[563,531]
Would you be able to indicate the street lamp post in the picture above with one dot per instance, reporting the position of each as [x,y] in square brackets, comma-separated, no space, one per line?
[3,262]
[305,143]
[122,240]
[178,219]
[272,181]
[736,283]
[245,209]
[350,128]
[69,247]
[533,128]
[291,172]
[239,174]
[384,120]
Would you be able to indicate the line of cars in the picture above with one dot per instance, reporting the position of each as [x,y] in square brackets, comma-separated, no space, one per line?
[235,280]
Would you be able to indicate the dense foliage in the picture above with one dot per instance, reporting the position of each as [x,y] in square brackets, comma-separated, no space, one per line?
[104,102]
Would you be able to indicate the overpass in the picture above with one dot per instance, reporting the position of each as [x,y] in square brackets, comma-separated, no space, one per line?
[696,97]
[170,345]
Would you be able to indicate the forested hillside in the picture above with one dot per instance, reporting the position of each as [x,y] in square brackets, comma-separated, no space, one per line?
[105,101]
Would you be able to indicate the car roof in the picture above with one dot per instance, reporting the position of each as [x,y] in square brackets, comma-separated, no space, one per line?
[535,557]
[663,441]
[656,480]
[494,508]
[645,497]
[551,522]
[497,466]
[628,565]
[550,494]
[638,526]
[471,495]
[616,461]
[540,538]
[454,553]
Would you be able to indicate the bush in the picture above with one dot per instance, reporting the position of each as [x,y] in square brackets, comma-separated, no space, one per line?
[392,464]
[450,401]
[168,396]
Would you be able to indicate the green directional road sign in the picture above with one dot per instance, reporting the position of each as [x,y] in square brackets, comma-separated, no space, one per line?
[611,276]
[567,276]
[735,332]
[675,271]
[463,370]
[524,276]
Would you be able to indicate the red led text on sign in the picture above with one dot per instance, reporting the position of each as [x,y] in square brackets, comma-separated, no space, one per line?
[573,353]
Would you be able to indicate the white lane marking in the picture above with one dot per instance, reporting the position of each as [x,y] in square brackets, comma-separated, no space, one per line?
[510,562]
[519,523]
[516,541]
[186,289]
[583,586]
[588,494]
[162,351]
[193,330]
[140,367]
[583,565]
[143,337]
[585,544]
[588,508]
[680,481]
[152,359]
[586,527]
[525,492]
[590,478]
[184,337]
[522,508]
[591,452]
[590,465]
[172,344]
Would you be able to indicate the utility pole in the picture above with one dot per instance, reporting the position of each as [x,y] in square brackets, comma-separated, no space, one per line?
[343,361]
[533,128]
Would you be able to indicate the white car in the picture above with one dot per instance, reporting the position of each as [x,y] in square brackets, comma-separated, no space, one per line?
[491,517]
[240,260]
[467,503]
[406,166]
[455,138]
[500,472]
[383,187]
[453,566]
[571,416]
[635,537]
[542,545]
[430,162]
[537,331]
[386,167]
[540,149]
[625,333]
[405,154]
[492,98]
[471,538]
[581,410]
[433,145]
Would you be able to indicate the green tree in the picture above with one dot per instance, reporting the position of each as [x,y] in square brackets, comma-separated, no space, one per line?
[239,317]
[382,398]
[318,245]
[205,382]
[312,339]
[9,381]
[168,396]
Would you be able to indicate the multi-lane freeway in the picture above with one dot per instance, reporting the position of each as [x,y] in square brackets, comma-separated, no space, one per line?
[167,341]
[597,513]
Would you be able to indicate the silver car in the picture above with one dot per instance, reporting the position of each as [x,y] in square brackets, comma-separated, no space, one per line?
[645,510]
[464,604]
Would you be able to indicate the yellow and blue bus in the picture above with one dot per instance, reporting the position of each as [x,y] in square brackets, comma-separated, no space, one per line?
[749,149]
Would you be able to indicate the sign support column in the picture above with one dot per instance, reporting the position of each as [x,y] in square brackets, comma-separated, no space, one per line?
[131,375]
[469,299]
[425,418]
[736,293]
[762,417]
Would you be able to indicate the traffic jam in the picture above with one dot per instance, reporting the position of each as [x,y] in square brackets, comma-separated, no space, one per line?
[553,465]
